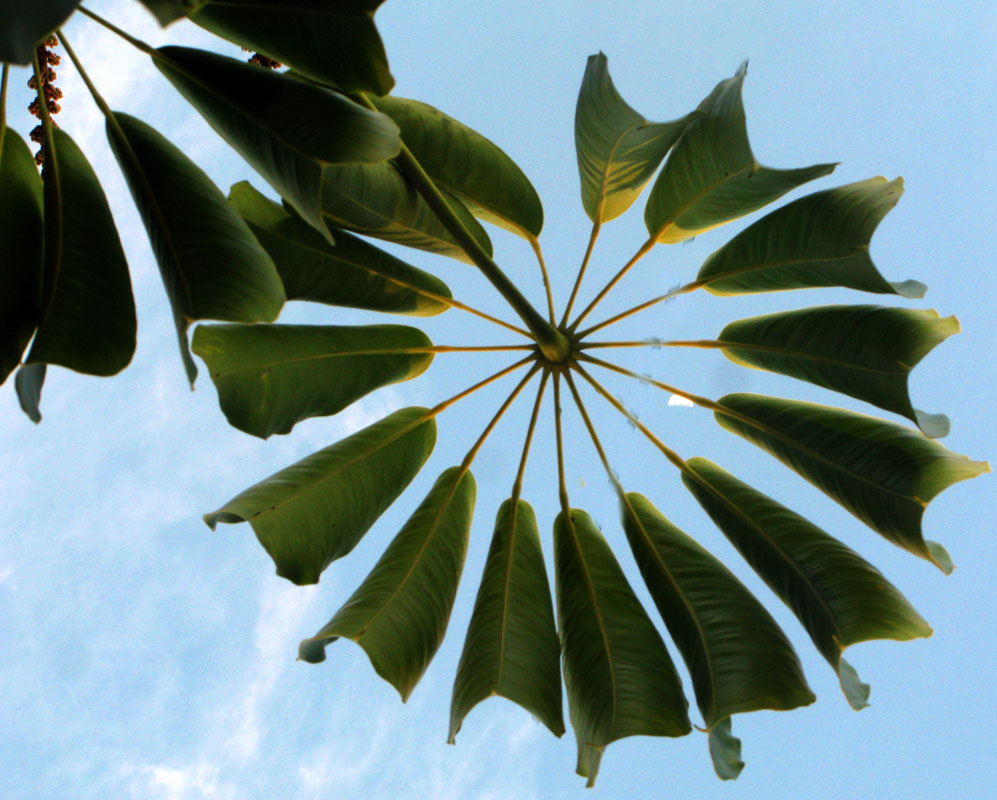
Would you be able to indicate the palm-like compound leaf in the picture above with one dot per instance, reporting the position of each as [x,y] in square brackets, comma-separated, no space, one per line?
[211,263]
[316,511]
[350,272]
[287,129]
[270,377]
[884,473]
[399,613]
[511,649]
[466,163]
[819,240]
[839,597]
[712,177]
[618,150]
[863,351]
[620,679]
[21,231]
[738,657]
[87,320]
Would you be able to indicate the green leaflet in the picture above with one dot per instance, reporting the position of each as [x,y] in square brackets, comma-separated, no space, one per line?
[28,381]
[335,42]
[864,351]
[350,273]
[738,657]
[619,677]
[511,649]
[884,473]
[285,128]
[270,377]
[376,200]
[399,613]
[839,598]
[725,750]
[313,512]
[467,164]
[212,266]
[819,240]
[711,176]
[87,320]
[21,241]
[617,149]
[26,23]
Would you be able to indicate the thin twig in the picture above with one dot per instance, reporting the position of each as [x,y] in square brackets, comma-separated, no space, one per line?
[517,487]
[689,287]
[644,250]
[535,244]
[469,458]
[581,270]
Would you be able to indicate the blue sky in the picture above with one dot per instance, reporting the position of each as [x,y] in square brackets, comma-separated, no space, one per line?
[147,657]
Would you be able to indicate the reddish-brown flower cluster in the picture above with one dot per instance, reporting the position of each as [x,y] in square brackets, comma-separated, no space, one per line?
[261,60]
[52,94]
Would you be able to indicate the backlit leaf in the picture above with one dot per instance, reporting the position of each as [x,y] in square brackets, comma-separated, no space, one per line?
[399,613]
[313,512]
[819,240]
[349,273]
[619,677]
[618,150]
[211,264]
[28,381]
[511,649]
[270,377]
[884,473]
[26,23]
[711,176]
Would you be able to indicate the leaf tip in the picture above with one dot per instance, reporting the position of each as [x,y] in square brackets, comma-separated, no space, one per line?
[934,426]
[312,651]
[939,556]
[856,692]
[911,289]
[725,750]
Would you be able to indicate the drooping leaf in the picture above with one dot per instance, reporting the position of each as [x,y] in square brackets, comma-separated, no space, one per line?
[884,473]
[334,42]
[711,176]
[313,512]
[28,381]
[618,150]
[511,649]
[725,749]
[21,242]
[399,613]
[738,657]
[350,273]
[839,597]
[26,23]
[619,676]
[285,128]
[87,320]
[270,377]
[819,240]
[468,164]
[376,200]
[167,11]
[211,264]
[864,351]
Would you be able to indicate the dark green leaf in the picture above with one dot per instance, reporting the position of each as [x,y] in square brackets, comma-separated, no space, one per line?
[399,613]
[26,23]
[469,165]
[738,657]
[618,150]
[839,597]
[511,649]
[285,128]
[270,377]
[864,351]
[87,320]
[819,240]
[619,677]
[313,512]
[212,265]
[167,11]
[28,382]
[711,177]
[350,273]
[21,242]
[884,473]
[376,200]
[334,42]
